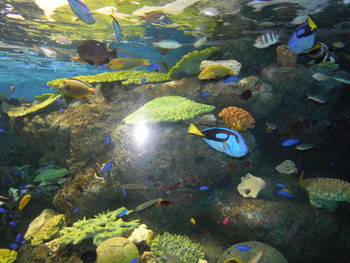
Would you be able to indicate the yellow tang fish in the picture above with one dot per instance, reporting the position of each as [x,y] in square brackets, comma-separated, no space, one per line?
[127,63]
[215,71]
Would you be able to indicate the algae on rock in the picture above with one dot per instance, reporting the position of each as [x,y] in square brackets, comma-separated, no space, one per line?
[168,109]
[50,176]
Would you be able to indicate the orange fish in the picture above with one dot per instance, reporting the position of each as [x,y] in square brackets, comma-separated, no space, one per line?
[127,63]
[164,203]
[226,220]
[25,200]
[215,71]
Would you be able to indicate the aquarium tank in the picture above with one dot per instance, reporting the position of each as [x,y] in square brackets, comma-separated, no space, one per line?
[183,131]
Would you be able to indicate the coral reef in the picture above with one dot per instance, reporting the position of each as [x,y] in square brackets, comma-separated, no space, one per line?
[49,230]
[116,250]
[285,57]
[141,234]
[100,228]
[270,255]
[38,222]
[250,186]
[50,176]
[286,167]
[34,108]
[7,255]
[237,118]
[168,109]
[189,63]
[234,65]
[327,192]
[126,76]
[179,246]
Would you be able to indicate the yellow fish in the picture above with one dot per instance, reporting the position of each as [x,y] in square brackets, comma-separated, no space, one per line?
[75,88]
[25,200]
[127,63]
[216,71]
[193,221]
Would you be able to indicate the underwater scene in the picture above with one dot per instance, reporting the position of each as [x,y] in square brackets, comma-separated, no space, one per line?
[174,131]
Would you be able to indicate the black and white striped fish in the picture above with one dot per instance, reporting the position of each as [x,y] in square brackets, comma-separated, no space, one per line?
[267,40]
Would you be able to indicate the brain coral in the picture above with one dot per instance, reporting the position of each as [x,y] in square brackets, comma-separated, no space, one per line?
[237,118]
[168,109]
[270,255]
[327,192]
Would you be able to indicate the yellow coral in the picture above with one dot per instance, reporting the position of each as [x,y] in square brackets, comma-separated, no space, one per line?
[237,118]
[7,255]
[49,229]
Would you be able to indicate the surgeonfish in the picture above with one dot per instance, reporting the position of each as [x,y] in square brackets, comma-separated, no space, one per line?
[222,139]
[266,40]
[24,201]
[75,88]
[215,71]
[94,52]
[117,30]
[127,63]
[82,11]
[303,38]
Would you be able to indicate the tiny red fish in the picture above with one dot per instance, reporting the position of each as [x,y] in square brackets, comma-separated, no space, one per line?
[226,220]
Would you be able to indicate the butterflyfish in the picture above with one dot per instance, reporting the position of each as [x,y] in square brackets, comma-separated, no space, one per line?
[303,38]
[23,203]
[222,139]
[127,63]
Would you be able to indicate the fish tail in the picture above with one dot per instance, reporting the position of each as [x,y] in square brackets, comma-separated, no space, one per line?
[193,129]
[311,22]
[145,62]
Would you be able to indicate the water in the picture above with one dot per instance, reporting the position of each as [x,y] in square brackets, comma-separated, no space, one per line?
[160,162]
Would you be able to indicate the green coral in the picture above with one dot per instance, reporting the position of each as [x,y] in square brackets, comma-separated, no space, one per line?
[126,76]
[179,246]
[50,176]
[43,97]
[190,62]
[7,255]
[168,109]
[270,255]
[331,66]
[117,250]
[100,228]
[36,108]
[49,229]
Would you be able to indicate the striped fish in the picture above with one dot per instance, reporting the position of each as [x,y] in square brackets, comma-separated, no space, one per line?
[267,40]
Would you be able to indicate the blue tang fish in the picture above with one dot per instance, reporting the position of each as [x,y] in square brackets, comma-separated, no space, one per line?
[222,139]
[303,38]
[290,142]
[117,30]
[82,11]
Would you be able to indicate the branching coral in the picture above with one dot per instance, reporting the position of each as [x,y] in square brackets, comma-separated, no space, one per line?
[168,109]
[237,118]
[327,192]
[49,230]
[7,255]
[178,246]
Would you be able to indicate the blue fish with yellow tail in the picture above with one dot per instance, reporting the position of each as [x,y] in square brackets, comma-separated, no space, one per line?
[82,11]
[222,139]
[303,38]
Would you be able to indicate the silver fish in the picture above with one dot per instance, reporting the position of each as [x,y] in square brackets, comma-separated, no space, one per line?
[209,11]
[317,98]
[320,76]
[346,81]
[305,146]
[266,40]
[271,126]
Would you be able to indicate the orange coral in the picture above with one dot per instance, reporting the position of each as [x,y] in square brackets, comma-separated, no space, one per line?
[237,118]
[285,57]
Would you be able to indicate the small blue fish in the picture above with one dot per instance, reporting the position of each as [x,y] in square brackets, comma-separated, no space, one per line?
[13,246]
[123,213]
[102,66]
[18,238]
[75,210]
[285,193]
[59,101]
[134,260]
[154,66]
[107,167]
[62,110]
[23,242]
[205,94]
[117,30]
[230,79]
[8,180]
[281,185]
[290,142]
[108,139]
[143,80]
[75,73]
[45,86]
[2,130]
[82,11]
[243,248]
[12,223]
[204,188]
[23,188]
[100,200]
[125,193]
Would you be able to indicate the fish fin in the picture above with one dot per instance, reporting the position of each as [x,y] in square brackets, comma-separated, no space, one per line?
[301,179]
[193,129]
[311,23]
